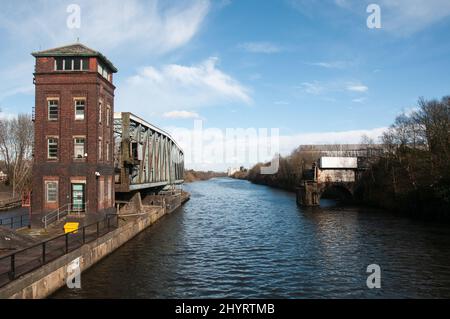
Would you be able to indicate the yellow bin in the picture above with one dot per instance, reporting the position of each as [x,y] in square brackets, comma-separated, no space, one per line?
[71,228]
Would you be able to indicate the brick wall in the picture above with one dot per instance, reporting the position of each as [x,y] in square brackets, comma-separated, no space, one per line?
[66,86]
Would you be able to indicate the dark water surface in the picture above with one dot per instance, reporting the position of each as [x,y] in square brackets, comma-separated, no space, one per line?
[234,239]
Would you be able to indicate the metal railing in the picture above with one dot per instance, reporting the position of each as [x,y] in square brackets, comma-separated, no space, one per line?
[26,260]
[10,203]
[16,222]
[62,212]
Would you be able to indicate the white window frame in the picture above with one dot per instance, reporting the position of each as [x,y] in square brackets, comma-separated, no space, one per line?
[48,147]
[79,117]
[47,183]
[108,115]
[107,151]
[100,148]
[71,64]
[48,109]
[100,111]
[75,144]
[99,68]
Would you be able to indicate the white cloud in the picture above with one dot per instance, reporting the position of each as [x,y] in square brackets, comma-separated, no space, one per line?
[357,88]
[398,17]
[359,100]
[7,115]
[405,17]
[16,79]
[281,102]
[173,87]
[151,26]
[255,76]
[142,28]
[332,64]
[181,115]
[314,88]
[321,88]
[4,93]
[260,47]
[341,3]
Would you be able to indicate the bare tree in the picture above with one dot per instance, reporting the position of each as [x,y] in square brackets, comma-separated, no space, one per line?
[16,146]
[6,144]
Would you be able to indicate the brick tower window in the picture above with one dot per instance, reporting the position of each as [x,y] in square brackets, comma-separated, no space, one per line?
[107,151]
[53,110]
[71,64]
[80,109]
[100,111]
[51,191]
[103,71]
[52,150]
[100,148]
[79,147]
[108,115]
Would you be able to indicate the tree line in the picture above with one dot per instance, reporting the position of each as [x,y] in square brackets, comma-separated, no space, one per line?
[411,175]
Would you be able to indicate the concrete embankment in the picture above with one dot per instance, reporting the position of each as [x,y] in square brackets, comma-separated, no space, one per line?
[44,281]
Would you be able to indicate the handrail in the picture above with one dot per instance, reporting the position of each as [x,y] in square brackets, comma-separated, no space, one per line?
[54,214]
[10,200]
[42,257]
[10,203]
[61,212]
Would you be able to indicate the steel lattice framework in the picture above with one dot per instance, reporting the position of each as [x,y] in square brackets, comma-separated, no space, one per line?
[145,156]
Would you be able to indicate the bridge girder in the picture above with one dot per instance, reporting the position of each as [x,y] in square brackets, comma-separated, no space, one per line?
[145,157]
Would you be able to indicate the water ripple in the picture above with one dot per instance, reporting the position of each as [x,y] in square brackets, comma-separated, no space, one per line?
[238,240]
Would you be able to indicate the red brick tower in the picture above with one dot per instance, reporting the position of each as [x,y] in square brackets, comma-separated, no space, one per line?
[73,143]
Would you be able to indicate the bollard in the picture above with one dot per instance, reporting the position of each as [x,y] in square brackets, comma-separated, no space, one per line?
[13,267]
[43,253]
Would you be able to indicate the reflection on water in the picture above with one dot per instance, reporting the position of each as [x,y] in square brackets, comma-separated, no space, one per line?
[234,239]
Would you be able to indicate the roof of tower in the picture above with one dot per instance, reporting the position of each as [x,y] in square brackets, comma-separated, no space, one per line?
[76,49]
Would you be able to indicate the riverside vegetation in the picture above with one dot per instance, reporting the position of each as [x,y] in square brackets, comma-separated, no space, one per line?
[193,176]
[412,176]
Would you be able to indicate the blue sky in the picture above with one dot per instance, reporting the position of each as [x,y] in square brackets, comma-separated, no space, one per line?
[313,69]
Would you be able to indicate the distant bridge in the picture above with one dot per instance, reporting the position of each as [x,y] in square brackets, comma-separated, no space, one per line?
[331,173]
[145,157]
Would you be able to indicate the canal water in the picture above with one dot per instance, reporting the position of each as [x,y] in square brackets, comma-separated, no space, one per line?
[234,239]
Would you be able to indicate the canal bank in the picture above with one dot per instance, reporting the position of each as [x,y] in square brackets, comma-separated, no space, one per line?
[134,217]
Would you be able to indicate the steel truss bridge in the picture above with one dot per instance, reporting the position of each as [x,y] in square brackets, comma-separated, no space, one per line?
[145,157]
